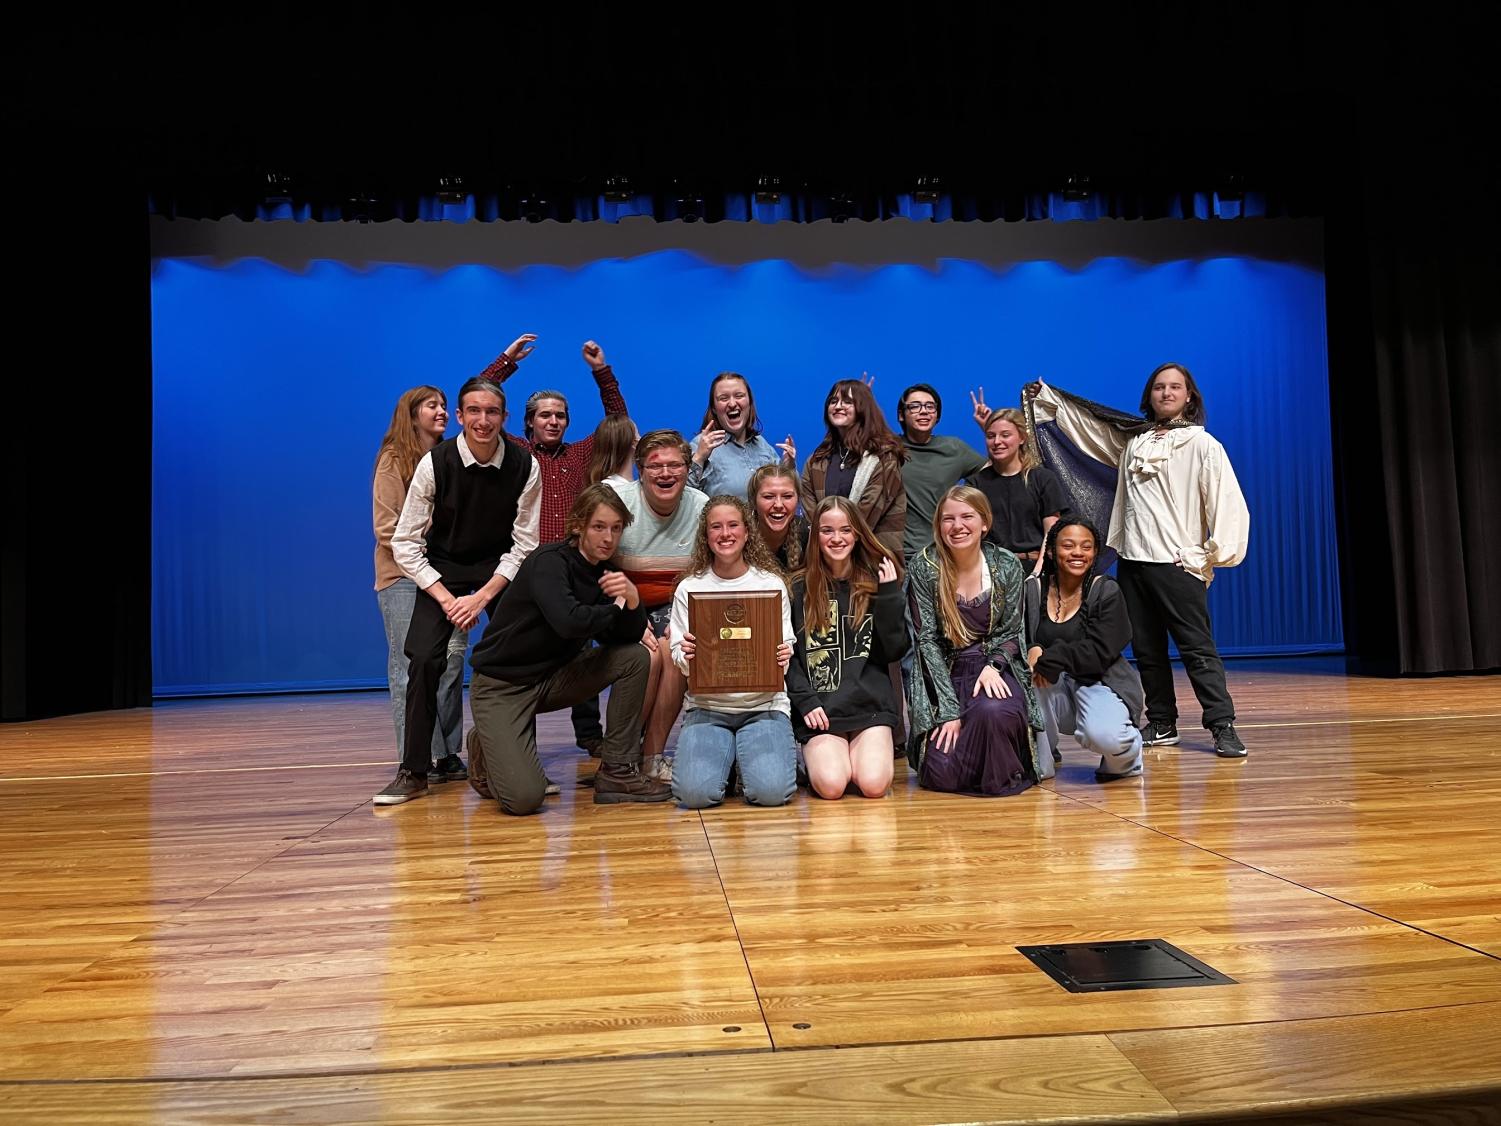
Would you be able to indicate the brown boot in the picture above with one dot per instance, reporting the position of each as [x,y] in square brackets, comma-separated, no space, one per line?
[479,777]
[623,782]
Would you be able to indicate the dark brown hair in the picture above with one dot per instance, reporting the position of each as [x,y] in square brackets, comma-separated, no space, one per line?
[752,423]
[1193,412]
[868,434]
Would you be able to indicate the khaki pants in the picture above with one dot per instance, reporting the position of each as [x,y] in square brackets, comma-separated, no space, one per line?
[505,718]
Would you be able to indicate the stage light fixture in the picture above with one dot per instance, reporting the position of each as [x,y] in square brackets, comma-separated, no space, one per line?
[533,207]
[690,204]
[927,190]
[618,189]
[768,189]
[452,189]
[361,206]
[1077,188]
[276,187]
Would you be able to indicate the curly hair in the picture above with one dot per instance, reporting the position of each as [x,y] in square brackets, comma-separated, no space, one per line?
[755,552]
[786,472]
[1050,561]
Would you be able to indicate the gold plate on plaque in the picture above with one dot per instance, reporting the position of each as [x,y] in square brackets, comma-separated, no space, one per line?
[736,635]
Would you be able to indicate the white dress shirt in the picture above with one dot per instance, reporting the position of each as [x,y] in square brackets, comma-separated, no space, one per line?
[409,542]
[1176,496]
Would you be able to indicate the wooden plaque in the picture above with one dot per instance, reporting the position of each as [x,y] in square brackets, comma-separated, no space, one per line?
[735,635]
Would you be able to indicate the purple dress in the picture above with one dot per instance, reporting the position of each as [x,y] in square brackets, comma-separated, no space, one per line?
[992,733]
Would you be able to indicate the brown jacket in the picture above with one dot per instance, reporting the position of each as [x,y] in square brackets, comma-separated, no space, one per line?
[878,492]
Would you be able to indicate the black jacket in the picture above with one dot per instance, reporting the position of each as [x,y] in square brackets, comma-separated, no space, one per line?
[1096,657]
[549,611]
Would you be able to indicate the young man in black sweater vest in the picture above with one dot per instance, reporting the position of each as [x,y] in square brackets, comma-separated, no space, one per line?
[533,659]
[469,520]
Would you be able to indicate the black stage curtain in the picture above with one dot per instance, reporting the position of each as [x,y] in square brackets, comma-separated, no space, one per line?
[1415,373]
[75,614]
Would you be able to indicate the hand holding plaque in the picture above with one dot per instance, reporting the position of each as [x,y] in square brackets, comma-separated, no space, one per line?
[735,639]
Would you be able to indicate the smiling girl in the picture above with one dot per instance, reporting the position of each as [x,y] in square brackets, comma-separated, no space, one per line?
[1026,499]
[859,458]
[748,730]
[971,698]
[772,493]
[1078,628]
[729,446]
[849,620]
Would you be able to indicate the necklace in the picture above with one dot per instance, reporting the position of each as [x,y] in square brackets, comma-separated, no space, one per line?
[1058,600]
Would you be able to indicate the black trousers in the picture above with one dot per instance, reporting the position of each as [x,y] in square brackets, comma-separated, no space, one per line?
[1165,600]
[427,652]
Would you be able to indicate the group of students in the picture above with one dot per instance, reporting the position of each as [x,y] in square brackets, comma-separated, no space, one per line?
[966,626]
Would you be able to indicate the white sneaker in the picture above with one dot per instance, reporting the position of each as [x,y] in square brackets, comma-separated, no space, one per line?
[658,768]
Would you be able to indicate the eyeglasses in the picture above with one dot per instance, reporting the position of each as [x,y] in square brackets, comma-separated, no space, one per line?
[922,408]
[666,468]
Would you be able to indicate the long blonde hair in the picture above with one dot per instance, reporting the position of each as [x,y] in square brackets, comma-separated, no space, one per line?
[954,626]
[865,563]
[757,479]
[1027,453]
[755,552]
[402,441]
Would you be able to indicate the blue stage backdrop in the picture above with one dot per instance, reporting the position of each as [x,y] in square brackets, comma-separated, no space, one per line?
[274,385]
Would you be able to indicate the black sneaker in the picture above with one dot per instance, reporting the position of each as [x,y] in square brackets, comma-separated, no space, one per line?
[406,787]
[1227,743]
[1159,734]
[450,768]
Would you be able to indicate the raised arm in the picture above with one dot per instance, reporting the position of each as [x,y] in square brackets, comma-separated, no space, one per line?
[504,365]
[1094,437]
[609,387]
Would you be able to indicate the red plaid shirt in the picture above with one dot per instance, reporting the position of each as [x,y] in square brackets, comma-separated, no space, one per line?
[565,470]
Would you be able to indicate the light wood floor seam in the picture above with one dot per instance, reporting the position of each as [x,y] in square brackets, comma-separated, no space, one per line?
[1244,726]
[1364,722]
[729,909]
[1289,881]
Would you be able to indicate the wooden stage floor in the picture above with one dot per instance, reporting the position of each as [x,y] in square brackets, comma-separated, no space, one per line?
[204,919]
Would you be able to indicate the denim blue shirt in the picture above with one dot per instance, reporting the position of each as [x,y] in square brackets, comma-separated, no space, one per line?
[729,467]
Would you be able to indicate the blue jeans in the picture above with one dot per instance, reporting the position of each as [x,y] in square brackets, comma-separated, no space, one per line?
[396,602]
[760,743]
[1096,717]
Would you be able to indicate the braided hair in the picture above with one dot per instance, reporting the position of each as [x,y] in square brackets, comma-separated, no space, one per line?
[1050,561]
